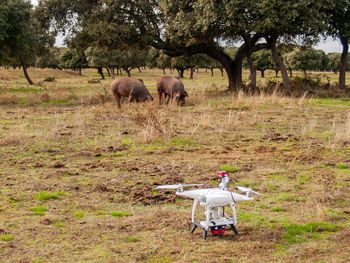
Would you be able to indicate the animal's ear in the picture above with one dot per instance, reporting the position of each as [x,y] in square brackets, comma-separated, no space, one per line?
[177,77]
[141,80]
[177,94]
[185,93]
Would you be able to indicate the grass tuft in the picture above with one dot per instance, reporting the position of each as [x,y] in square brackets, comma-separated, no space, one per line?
[43,196]
[120,214]
[6,237]
[279,209]
[39,210]
[78,214]
[341,166]
[230,169]
[131,239]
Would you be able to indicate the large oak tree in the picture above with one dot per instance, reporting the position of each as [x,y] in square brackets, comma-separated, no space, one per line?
[20,36]
[186,27]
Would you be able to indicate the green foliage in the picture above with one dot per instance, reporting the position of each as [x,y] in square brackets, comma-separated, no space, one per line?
[298,233]
[50,59]
[43,196]
[21,39]
[39,210]
[6,237]
[120,213]
[306,59]
[126,59]
[73,59]
[263,61]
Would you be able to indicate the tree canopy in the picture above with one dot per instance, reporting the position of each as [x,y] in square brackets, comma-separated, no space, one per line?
[21,39]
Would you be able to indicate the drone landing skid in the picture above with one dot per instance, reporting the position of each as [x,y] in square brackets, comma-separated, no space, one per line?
[218,230]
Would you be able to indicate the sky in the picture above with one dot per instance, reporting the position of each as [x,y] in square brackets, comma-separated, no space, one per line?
[329,45]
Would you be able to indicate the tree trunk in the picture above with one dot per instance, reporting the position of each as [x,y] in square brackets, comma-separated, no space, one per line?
[139,69]
[182,73]
[290,72]
[282,67]
[112,72]
[343,59]
[262,73]
[252,71]
[100,71]
[26,74]
[276,73]
[212,71]
[163,71]
[191,73]
[108,72]
[79,71]
[128,71]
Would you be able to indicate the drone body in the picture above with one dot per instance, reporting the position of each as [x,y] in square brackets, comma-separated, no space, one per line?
[214,200]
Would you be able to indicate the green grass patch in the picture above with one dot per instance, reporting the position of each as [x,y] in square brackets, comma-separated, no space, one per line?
[131,239]
[14,90]
[285,197]
[182,142]
[79,214]
[59,224]
[120,214]
[230,169]
[299,233]
[303,178]
[279,209]
[6,237]
[341,166]
[43,196]
[39,210]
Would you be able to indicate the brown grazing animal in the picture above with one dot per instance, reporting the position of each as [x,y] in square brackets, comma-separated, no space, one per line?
[130,87]
[171,87]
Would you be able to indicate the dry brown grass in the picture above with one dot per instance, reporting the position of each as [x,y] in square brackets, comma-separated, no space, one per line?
[342,131]
[68,137]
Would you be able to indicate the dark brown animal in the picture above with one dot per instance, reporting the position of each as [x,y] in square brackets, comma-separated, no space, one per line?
[130,87]
[171,87]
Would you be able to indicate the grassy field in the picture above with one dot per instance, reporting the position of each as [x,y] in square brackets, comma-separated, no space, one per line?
[78,177]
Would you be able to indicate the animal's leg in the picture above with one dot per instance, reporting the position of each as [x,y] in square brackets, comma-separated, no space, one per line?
[117,98]
[160,93]
[131,98]
[167,98]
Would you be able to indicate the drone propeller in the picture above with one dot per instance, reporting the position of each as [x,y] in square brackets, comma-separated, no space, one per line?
[246,189]
[175,186]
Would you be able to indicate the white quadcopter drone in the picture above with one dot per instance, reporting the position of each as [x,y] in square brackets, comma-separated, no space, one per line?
[214,200]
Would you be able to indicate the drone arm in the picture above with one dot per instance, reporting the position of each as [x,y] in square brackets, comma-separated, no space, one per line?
[195,203]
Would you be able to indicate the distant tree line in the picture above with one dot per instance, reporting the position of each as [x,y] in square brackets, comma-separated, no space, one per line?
[176,28]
